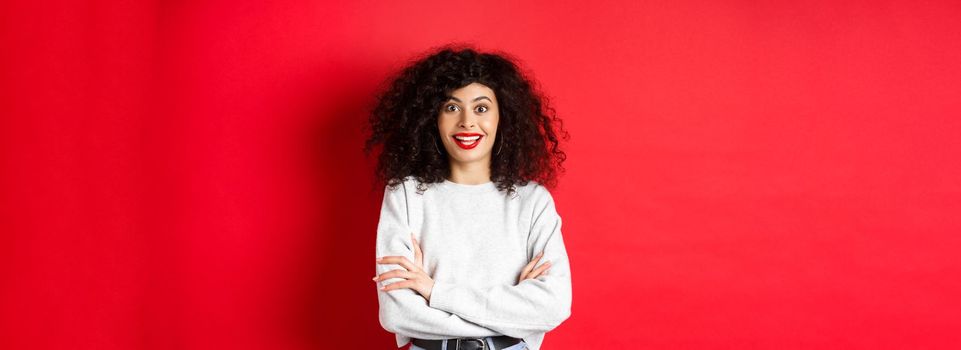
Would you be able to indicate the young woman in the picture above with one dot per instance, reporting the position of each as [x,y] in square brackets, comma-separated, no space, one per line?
[469,247]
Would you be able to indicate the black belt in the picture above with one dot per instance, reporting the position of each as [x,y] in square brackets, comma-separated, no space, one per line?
[500,342]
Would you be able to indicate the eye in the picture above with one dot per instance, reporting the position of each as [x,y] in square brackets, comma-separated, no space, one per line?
[481,109]
[451,107]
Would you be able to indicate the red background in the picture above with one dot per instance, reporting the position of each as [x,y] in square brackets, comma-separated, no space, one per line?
[188,175]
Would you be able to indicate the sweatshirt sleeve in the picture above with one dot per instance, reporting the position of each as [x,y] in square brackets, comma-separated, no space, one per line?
[403,311]
[532,306]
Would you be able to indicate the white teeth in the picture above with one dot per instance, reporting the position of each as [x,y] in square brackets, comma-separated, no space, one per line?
[471,138]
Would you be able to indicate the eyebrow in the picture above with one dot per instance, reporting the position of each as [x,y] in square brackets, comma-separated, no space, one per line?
[475,100]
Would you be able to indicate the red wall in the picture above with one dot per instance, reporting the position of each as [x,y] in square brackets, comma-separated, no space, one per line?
[187,175]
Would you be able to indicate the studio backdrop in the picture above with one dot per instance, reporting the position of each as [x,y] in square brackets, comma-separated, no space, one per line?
[740,174]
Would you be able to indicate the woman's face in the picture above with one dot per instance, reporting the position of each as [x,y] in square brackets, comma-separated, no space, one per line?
[469,113]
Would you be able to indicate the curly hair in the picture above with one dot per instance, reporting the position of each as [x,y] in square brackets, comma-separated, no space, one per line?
[404,120]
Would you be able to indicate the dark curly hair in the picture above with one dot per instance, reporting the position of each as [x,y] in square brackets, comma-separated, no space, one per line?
[404,120]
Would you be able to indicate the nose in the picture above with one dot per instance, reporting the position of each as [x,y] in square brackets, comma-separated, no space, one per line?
[466,120]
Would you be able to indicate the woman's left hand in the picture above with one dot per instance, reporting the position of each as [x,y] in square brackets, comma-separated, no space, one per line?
[417,278]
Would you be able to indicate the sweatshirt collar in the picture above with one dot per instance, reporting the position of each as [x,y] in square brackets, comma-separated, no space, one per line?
[451,186]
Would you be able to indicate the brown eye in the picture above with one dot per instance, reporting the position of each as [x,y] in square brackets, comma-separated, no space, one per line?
[451,108]
[481,109]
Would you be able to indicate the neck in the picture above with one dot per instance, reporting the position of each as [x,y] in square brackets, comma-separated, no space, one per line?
[473,173]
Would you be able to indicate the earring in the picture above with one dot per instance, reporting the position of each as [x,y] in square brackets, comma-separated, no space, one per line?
[499,148]
[437,148]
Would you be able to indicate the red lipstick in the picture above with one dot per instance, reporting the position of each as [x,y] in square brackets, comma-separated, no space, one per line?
[467,144]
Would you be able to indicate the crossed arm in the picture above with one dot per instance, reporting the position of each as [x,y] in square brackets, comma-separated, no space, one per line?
[418,279]
[410,297]
[413,304]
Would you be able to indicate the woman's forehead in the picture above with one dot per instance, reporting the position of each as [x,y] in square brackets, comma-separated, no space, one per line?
[472,92]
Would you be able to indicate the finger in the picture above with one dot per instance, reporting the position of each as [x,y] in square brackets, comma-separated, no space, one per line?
[541,268]
[398,273]
[398,285]
[418,254]
[535,274]
[530,265]
[541,274]
[527,268]
[399,260]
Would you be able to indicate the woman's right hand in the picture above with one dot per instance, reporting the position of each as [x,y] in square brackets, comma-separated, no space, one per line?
[531,272]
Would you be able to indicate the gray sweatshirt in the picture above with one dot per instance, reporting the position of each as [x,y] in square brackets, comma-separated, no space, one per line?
[475,241]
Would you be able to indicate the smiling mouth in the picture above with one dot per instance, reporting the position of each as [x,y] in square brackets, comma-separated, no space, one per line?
[467,142]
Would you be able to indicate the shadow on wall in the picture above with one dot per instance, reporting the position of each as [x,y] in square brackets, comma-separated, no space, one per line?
[331,301]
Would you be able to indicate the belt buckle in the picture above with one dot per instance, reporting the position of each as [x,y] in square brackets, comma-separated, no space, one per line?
[481,340]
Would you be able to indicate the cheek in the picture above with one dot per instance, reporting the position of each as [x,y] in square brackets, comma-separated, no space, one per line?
[442,127]
[492,124]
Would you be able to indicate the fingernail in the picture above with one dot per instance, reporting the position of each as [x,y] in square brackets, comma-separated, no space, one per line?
[378,259]
[375,278]
[540,254]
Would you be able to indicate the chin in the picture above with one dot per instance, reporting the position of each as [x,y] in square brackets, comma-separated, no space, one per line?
[471,158]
